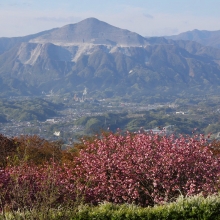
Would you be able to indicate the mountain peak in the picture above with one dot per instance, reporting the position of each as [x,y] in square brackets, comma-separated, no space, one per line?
[92,31]
[207,38]
[87,22]
[91,20]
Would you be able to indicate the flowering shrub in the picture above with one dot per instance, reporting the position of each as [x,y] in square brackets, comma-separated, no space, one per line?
[4,183]
[28,186]
[146,168]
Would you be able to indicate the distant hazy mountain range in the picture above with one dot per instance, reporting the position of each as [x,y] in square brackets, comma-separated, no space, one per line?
[109,61]
[207,38]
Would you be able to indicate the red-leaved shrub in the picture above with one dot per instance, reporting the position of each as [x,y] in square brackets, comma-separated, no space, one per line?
[29,186]
[146,169]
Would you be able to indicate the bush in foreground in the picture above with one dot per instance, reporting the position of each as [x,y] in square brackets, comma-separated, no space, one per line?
[141,169]
[27,187]
[146,169]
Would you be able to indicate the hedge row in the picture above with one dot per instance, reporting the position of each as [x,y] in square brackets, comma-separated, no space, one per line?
[194,207]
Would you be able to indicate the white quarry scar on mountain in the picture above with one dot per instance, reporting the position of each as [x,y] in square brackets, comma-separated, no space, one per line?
[29,57]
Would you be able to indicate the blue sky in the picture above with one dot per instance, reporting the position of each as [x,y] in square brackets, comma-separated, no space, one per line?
[146,17]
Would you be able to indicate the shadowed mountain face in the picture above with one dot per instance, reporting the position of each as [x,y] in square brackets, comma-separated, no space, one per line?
[207,38]
[106,60]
